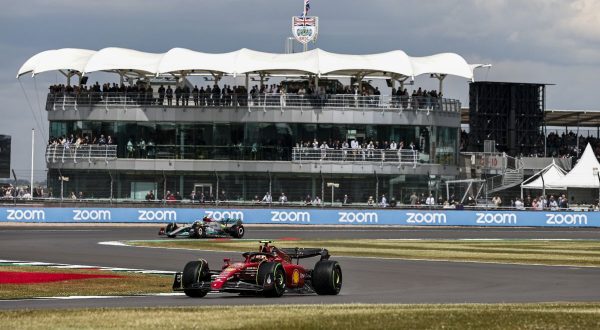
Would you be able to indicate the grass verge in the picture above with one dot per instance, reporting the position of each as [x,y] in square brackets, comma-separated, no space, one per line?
[129,284]
[573,253]
[464,316]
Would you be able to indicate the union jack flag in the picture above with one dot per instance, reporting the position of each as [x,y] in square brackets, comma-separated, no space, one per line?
[304,21]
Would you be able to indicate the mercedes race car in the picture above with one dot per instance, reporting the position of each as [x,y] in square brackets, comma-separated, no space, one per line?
[270,272]
[204,228]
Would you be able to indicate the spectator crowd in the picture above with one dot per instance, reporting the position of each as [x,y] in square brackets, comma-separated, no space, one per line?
[288,93]
[565,145]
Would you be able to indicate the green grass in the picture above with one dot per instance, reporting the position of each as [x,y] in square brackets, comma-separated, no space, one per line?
[573,253]
[464,316]
[130,284]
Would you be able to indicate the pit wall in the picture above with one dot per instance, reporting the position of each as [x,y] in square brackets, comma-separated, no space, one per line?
[305,216]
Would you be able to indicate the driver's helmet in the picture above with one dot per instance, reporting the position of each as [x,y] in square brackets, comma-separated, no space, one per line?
[206,219]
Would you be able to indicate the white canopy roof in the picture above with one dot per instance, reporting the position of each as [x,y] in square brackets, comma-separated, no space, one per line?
[57,59]
[548,176]
[582,175]
[179,60]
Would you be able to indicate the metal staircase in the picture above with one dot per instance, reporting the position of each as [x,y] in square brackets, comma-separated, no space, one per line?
[512,176]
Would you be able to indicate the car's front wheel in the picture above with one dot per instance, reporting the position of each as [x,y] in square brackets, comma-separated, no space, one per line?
[272,277]
[195,272]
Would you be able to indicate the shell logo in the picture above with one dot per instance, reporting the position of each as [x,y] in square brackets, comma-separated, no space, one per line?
[295,277]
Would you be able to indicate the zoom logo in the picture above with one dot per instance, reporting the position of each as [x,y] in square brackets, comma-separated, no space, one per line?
[496,218]
[25,215]
[566,219]
[277,216]
[160,215]
[358,217]
[216,215]
[426,218]
[91,215]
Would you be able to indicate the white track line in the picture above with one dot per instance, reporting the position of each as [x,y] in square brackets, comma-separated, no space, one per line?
[171,294]
[392,258]
[68,266]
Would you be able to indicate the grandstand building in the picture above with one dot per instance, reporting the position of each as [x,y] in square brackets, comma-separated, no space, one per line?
[322,123]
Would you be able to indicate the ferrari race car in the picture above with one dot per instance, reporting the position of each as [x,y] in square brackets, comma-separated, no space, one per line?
[270,272]
[204,228]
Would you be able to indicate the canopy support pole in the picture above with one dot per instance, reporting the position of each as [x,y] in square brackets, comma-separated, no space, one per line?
[68,75]
[217,77]
[440,78]
[262,80]
[359,79]
[402,80]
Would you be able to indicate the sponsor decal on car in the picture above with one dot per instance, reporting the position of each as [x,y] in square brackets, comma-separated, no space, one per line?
[295,277]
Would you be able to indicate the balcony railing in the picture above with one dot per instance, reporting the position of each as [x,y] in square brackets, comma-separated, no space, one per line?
[73,153]
[399,157]
[90,153]
[62,101]
[208,152]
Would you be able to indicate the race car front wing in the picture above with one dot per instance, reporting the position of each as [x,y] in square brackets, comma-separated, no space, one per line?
[230,286]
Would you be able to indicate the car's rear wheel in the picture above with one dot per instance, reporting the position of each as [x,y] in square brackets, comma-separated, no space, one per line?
[170,228]
[195,272]
[327,277]
[238,231]
[272,277]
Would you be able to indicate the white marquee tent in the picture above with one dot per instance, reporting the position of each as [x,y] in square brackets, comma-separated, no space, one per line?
[542,179]
[583,175]
[394,64]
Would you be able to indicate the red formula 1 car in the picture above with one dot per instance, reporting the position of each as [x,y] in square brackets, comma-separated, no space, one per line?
[270,272]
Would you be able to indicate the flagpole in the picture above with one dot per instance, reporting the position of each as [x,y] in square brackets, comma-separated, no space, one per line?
[32,155]
[305,46]
[304,10]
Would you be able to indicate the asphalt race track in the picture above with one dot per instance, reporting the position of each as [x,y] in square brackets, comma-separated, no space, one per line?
[366,280]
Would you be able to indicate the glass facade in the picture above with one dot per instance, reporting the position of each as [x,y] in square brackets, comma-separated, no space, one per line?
[254,141]
[242,186]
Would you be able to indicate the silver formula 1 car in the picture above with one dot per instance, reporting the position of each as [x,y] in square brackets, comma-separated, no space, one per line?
[205,228]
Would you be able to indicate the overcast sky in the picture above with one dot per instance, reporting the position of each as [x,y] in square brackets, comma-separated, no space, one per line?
[547,41]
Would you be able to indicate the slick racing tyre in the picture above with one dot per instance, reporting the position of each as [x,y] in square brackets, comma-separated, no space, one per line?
[238,231]
[170,228]
[198,232]
[327,277]
[195,272]
[272,277]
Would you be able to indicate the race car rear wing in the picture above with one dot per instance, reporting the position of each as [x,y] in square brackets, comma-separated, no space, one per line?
[301,253]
